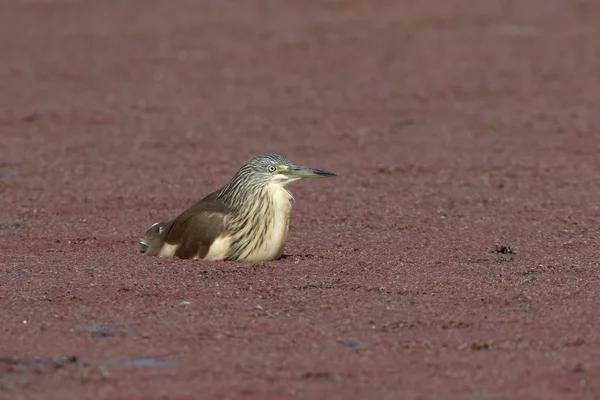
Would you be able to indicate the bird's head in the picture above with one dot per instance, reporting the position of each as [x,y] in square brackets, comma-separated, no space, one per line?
[260,173]
[274,169]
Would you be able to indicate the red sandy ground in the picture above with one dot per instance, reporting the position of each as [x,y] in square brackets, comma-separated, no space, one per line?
[454,126]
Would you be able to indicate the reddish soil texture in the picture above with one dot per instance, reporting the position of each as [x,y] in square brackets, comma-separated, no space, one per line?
[454,126]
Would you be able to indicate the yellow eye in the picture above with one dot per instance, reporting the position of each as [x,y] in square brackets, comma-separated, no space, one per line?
[271,168]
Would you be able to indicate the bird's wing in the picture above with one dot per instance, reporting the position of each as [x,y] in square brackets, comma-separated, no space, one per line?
[192,232]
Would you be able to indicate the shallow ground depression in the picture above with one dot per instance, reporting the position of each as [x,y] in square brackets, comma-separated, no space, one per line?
[455,255]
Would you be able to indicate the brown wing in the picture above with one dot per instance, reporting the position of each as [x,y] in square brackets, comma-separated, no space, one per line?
[195,229]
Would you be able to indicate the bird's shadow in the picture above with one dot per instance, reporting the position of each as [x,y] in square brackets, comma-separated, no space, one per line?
[298,256]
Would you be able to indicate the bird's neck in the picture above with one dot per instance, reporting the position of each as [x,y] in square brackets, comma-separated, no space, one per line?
[237,195]
[268,201]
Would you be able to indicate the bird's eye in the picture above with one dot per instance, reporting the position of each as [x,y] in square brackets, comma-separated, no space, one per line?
[271,168]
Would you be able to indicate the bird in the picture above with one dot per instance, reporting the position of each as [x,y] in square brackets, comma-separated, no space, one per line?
[247,219]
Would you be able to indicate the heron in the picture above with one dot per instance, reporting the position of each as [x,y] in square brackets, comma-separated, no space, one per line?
[247,219]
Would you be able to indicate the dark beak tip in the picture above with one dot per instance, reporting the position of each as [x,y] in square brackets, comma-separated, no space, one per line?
[325,173]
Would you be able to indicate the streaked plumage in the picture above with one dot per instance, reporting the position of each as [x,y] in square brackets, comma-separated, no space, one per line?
[246,220]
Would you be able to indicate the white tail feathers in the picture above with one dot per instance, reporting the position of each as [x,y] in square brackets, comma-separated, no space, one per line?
[154,231]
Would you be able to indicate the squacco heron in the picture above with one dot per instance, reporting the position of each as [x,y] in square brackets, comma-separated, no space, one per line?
[245,220]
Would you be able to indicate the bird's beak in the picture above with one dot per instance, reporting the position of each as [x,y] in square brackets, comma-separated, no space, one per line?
[296,171]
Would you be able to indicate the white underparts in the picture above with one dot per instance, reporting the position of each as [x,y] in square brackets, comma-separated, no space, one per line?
[218,249]
[168,250]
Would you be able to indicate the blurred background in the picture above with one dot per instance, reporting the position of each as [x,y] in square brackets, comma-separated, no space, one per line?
[455,127]
[139,99]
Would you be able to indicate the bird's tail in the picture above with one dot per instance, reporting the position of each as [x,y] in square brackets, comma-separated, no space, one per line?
[152,233]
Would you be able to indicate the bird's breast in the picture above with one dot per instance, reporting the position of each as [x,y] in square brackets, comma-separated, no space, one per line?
[275,233]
